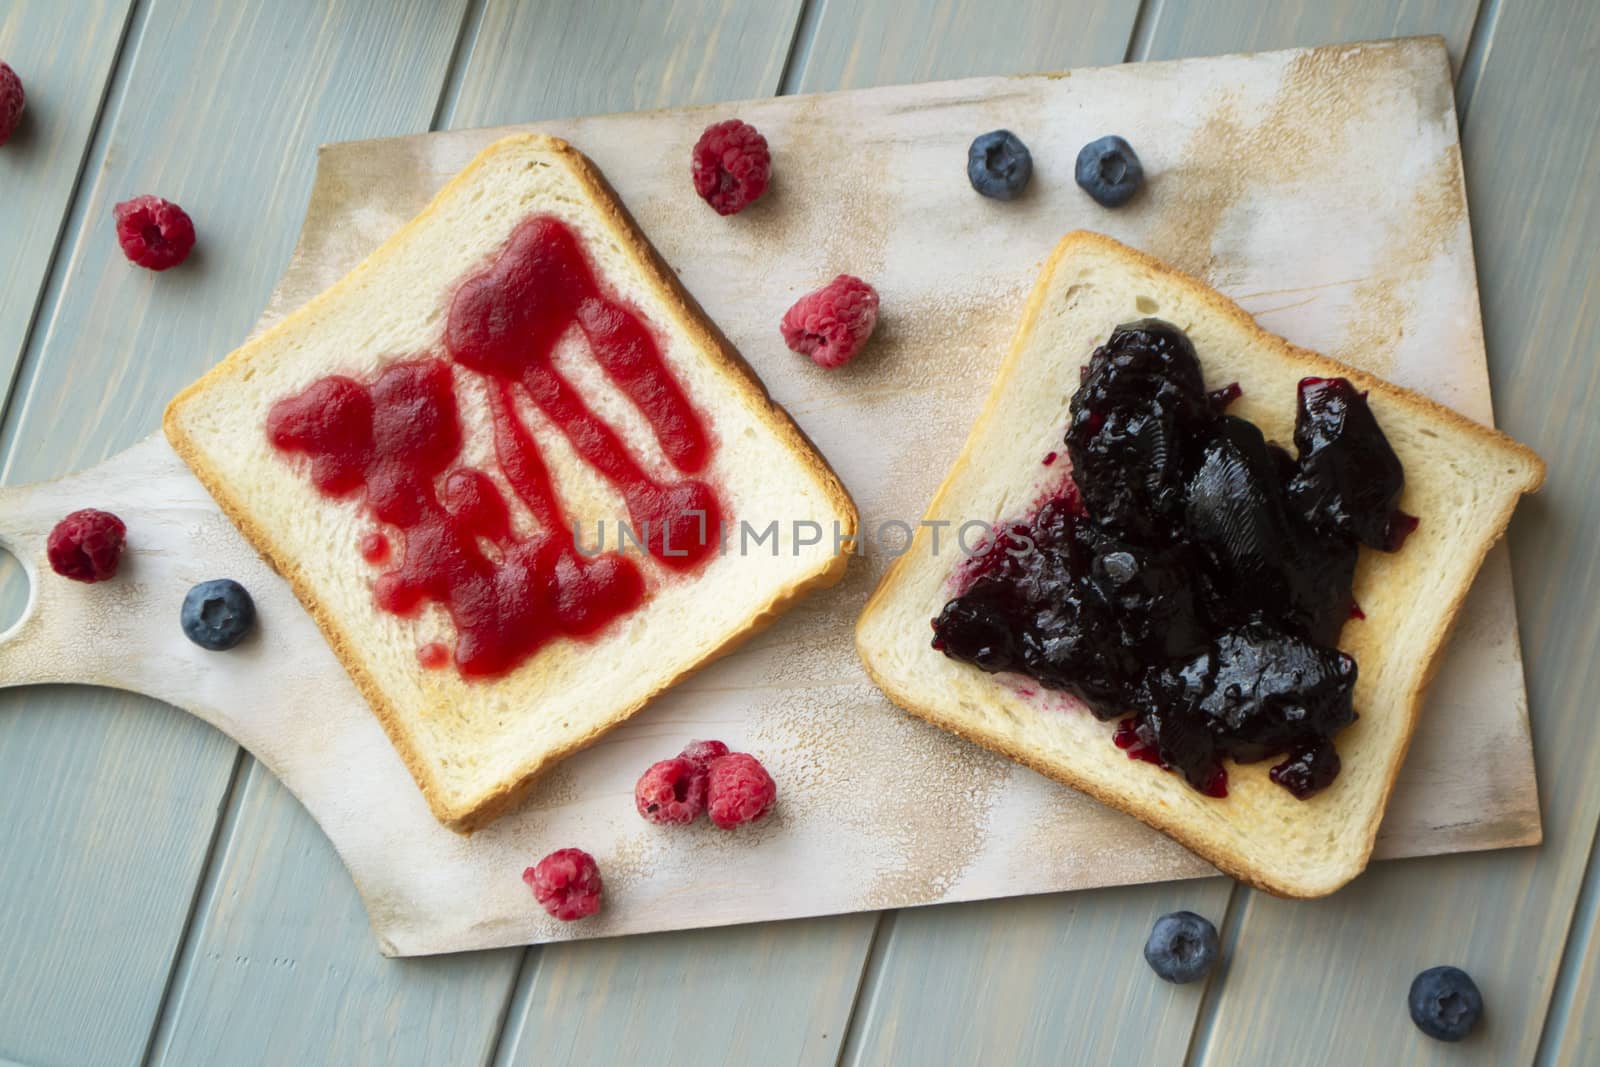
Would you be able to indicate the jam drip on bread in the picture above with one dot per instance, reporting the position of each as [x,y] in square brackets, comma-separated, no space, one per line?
[395,440]
[1192,578]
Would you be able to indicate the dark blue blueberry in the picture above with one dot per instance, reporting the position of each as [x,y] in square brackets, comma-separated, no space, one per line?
[998,165]
[1183,946]
[1445,1003]
[217,614]
[1109,171]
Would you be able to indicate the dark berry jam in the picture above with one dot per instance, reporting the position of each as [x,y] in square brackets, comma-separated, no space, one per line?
[1193,576]
[395,440]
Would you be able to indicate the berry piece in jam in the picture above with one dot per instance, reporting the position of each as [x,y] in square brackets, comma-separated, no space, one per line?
[1261,562]
[1222,398]
[1350,479]
[1193,578]
[1141,402]
[1254,692]
[1310,770]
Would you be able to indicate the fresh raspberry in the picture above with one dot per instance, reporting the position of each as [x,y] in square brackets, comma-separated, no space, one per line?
[86,545]
[701,753]
[566,883]
[831,324]
[153,232]
[12,101]
[731,166]
[738,790]
[671,791]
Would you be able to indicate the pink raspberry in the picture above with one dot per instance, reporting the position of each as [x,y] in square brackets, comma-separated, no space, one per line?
[739,790]
[153,232]
[731,166]
[701,753]
[566,883]
[12,101]
[831,324]
[671,791]
[86,546]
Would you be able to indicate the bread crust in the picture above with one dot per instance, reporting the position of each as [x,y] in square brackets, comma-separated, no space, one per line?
[712,343]
[1168,822]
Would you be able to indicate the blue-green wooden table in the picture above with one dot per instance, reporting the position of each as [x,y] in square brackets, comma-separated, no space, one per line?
[163,899]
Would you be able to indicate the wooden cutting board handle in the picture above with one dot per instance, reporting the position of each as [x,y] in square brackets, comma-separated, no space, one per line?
[117,633]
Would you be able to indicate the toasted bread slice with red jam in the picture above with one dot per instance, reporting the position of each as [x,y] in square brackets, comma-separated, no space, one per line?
[493,461]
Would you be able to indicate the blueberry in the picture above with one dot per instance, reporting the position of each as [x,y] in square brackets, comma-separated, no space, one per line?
[998,165]
[1109,171]
[1445,1003]
[1183,946]
[217,614]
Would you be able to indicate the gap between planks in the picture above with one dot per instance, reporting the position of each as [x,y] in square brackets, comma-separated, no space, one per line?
[1581,933]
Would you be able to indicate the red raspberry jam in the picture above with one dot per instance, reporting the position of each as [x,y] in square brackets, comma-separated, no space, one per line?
[374,547]
[395,441]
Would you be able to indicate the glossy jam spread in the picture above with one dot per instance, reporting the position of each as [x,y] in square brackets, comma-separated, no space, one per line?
[1193,577]
[395,441]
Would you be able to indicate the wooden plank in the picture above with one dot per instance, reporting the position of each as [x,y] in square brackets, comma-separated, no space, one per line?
[772,993]
[64,55]
[110,800]
[1330,978]
[1536,239]
[1034,980]
[1178,28]
[282,967]
[884,43]
[567,57]
[1572,1031]
[522,62]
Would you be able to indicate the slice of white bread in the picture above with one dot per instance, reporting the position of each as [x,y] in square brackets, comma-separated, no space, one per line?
[475,746]
[1462,480]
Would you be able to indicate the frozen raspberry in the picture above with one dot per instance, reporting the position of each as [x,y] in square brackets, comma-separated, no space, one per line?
[12,100]
[831,324]
[671,791]
[731,166]
[86,545]
[701,753]
[566,883]
[738,790]
[153,232]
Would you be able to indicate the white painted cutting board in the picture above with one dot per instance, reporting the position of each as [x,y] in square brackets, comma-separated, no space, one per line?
[1322,189]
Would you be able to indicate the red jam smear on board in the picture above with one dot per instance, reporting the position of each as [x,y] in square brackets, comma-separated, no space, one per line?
[395,440]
